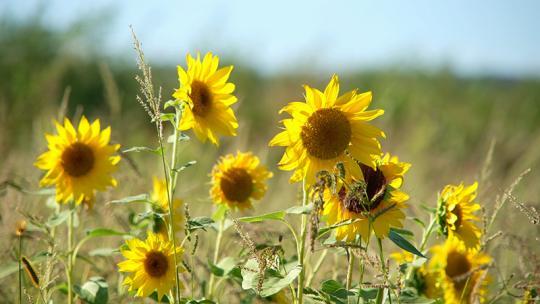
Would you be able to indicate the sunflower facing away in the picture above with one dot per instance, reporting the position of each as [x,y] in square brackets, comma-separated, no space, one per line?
[460,274]
[327,129]
[378,200]
[209,97]
[150,264]
[236,180]
[79,162]
[159,197]
[455,214]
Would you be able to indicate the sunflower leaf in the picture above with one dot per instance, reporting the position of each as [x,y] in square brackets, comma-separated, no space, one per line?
[402,243]
[185,166]
[94,291]
[57,219]
[276,216]
[201,222]
[300,209]
[103,232]
[157,151]
[140,198]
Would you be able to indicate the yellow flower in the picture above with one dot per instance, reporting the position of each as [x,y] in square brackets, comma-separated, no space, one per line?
[238,179]
[150,264]
[209,97]
[79,161]
[159,196]
[455,214]
[460,273]
[402,257]
[327,129]
[380,201]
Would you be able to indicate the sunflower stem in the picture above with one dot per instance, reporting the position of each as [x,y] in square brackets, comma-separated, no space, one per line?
[216,257]
[301,247]
[70,256]
[318,265]
[425,238]
[20,269]
[349,271]
[380,292]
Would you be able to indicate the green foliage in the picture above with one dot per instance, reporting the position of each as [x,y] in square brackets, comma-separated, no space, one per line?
[94,291]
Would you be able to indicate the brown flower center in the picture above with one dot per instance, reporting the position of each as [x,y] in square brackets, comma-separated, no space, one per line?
[457,264]
[78,159]
[459,214]
[201,97]
[156,264]
[326,134]
[236,185]
[375,185]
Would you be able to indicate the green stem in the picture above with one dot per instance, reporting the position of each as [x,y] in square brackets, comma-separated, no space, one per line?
[70,257]
[302,248]
[20,269]
[216,257]
[349,273]
[380,292]
[317,267]
[425,238]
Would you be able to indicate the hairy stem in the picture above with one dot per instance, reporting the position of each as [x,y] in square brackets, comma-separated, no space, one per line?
[302,246]
[70,258]
[317,267]
[216,257]
[349,272]
[380,292]
[20,269]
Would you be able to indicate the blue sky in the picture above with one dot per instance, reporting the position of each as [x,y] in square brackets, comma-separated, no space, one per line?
[471,37]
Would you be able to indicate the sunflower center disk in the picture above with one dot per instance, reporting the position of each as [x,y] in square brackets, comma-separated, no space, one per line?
[459,214]
[201,97]
[236,185]
[156,264]
[78,159]
[457,264]
[326,134]
[375,185]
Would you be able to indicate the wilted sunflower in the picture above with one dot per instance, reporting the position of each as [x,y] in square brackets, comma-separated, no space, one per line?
[324,128]
[236,180]
[209,97]
[80,161]
[378,200]
[455,214]
[460,273]
[159,196]
[150,264]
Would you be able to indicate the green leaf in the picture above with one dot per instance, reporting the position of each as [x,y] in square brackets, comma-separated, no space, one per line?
[368,293]
[57,219]
[224,267]
[277,215]
[219,214]
[103,252]
[167,117]
[12,267]
[201,222]
[403,232]
[94,291]
[300,209]
[185,166]
[403,243]
[325,230]
[273,281]
[139,198]
[157,151]
[103,232]
[419,222]
[336,291]
[171,103]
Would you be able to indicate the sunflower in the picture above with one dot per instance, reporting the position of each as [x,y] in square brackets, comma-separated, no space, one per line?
[79,161]
[150,264]
[422,278]
[326,130]
[460,273]
[236,180]
[209,97]
[159,197]
[378,200]
[455,214]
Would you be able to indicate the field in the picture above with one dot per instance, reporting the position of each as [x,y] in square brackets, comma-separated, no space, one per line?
[451,128]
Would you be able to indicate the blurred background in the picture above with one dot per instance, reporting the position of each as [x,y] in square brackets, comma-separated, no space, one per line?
[453,78]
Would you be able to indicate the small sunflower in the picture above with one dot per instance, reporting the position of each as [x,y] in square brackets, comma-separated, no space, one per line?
[326,130]
[236,180]
[209,97]
[159,196]
[422,279]
[455,214]
[150,264]
[460,273]
[79,162]
[377,199]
